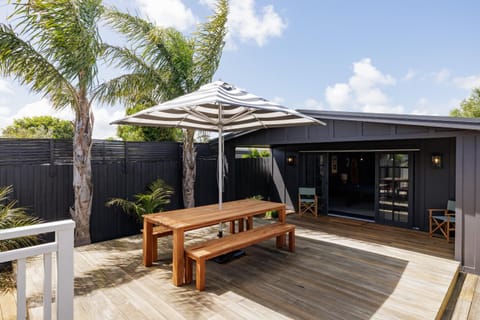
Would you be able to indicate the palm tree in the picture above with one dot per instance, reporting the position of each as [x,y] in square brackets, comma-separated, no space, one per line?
[165,64]
[54,50]
[157,196]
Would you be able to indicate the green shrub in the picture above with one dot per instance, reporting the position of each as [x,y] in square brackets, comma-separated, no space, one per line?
[12,217]
[157,196]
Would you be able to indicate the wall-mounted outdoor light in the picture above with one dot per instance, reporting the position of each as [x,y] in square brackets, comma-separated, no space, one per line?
[291,160]
[437,160]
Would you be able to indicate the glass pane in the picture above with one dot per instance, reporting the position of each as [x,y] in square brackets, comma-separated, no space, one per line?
[401,159]
[393,187]
[386,159]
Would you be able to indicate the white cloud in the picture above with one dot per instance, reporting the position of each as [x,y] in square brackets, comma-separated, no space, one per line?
[5,87]
[168,13]
[363,90]
[441,76]
[426,107]
[279,100]
[312,103]
[338,96]
[103,116]
[245,23]
[4,111]
[409,75]
[366,76]
[383,109]
[467,83]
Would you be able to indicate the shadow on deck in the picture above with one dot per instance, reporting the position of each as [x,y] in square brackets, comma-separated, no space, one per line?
[341,269]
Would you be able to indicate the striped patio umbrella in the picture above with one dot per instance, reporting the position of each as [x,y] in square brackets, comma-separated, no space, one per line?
[219,107]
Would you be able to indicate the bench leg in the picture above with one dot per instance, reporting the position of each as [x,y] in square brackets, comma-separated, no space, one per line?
[241,225]
[200,274]
[188,270]
[250,223]
[232,227]
[280,242]
[155,248]
[291,241]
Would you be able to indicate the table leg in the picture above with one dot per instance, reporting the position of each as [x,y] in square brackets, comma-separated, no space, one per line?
[147,243]
[282,217]
[178,257]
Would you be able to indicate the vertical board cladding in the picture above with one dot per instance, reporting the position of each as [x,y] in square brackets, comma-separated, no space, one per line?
[467,242]
[41,175]
[253,177]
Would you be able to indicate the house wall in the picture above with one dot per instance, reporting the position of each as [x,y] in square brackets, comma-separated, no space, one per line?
[459,179]
[432,187]
[340,131]
[467,240]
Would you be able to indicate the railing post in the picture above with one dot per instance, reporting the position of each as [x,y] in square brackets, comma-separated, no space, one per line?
[64,239]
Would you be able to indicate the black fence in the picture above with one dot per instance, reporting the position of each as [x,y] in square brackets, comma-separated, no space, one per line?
[41,174]
[253,176]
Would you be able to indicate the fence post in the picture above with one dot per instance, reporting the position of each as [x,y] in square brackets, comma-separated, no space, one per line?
[64,239]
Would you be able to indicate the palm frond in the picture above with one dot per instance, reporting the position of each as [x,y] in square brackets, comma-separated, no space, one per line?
[158,195]
[66,32]
[209,42]
[12,217]
[135,29]
[19,59]
[171,54]
[129,207]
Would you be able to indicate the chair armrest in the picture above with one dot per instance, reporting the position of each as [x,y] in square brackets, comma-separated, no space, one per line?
[431,211]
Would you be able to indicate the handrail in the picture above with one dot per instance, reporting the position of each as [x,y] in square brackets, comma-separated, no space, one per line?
[63,247]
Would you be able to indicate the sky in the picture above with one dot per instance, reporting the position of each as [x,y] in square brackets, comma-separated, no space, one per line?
[397,56]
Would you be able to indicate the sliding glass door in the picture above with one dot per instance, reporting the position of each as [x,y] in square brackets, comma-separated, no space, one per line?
[394,188]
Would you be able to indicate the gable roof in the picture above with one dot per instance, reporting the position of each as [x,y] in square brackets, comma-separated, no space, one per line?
[400,119]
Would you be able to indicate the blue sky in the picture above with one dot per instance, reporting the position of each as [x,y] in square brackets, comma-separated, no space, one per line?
[377,56]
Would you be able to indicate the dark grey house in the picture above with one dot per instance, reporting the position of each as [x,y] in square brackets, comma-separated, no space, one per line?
[385,168]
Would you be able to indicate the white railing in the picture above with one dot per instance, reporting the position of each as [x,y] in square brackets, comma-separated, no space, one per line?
[63,246]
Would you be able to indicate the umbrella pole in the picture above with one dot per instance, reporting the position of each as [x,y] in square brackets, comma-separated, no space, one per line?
[220,166]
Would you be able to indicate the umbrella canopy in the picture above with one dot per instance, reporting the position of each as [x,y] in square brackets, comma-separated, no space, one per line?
[221,107]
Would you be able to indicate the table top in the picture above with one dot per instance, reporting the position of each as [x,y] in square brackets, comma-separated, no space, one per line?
[203,216]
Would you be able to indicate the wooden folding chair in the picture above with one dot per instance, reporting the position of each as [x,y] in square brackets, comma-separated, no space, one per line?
[307,201]
[443,222]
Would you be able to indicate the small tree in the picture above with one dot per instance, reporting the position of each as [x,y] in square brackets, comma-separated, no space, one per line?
[139,133]
[42,127]
[11,217]
[157,196]
[255,153]
[470,107]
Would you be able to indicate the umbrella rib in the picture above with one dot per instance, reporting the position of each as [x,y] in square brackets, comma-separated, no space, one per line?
[239,115]
[198,114]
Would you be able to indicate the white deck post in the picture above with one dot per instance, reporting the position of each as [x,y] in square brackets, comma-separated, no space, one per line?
[63,246]
[64,238]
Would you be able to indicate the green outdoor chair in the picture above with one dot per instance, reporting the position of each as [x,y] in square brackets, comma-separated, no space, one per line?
[307,201]
[442,220]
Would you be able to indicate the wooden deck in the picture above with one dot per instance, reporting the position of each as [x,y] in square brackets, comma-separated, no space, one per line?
[342,269]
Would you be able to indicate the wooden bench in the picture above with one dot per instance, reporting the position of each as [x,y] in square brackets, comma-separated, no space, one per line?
[158,231]
[216,247]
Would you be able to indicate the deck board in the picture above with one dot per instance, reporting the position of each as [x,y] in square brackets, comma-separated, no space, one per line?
[342,269]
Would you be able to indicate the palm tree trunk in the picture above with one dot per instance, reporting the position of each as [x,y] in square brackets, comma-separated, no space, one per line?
[189,169]
[82,173]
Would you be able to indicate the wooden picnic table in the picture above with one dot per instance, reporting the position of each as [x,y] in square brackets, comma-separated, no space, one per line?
[198,217]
